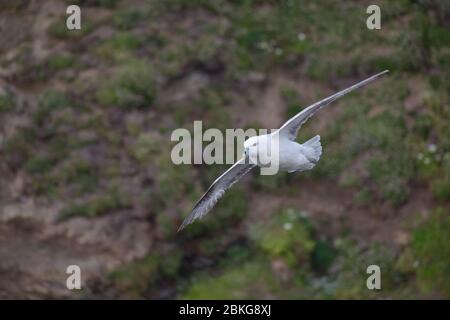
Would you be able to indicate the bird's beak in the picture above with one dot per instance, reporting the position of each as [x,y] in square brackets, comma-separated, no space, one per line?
[246,155]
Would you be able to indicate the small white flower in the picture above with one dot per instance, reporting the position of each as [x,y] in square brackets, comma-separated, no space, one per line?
[287,226]
[416,264]
[301,36]
[278,51]
[432,148]
[420,156]
[263,45]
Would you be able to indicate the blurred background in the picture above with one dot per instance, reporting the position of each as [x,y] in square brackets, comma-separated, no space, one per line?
[86,175]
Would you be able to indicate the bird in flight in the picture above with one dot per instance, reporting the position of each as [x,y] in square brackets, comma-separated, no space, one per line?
[291,156]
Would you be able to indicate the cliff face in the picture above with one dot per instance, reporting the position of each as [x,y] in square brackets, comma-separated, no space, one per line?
[36,250]
[85,171]
[36,247]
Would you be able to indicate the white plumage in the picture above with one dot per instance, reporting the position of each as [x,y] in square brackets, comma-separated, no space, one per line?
[291,156]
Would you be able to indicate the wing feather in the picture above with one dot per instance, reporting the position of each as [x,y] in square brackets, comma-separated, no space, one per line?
[291,127]
[217,190]
[241,168]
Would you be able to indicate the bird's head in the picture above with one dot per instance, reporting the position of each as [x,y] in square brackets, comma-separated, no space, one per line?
[250,148]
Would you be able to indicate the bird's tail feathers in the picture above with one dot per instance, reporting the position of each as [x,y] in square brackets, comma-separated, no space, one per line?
[314,147]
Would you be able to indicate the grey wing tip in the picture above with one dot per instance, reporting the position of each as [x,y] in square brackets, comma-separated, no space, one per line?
[376,76]
[368,80]
[189,219]
[382,72]
[181,227]
[185,223]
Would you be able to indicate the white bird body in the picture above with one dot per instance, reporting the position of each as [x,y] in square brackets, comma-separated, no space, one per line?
[299,157]
[291,156]
[278,146]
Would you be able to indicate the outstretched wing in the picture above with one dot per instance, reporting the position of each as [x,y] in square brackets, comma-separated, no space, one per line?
[216,191]
[290,128]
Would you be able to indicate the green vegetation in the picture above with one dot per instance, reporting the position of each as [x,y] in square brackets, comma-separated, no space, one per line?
[39,164]
[315,268]
[287,236]
[133,86]
[138,277]
[81,175]
[291,98]
[248,281]
[58,30]
[431,246]
[86,128]
[135,278]
[112,200]
[147,146]
[128,19]
[124,41]
[6,101]
[61,61]
[49,102]
[267,38]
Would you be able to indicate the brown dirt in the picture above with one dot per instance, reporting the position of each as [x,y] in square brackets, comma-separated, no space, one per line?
[330,207]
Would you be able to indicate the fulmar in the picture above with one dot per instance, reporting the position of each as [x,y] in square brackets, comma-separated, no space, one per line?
[290,155]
